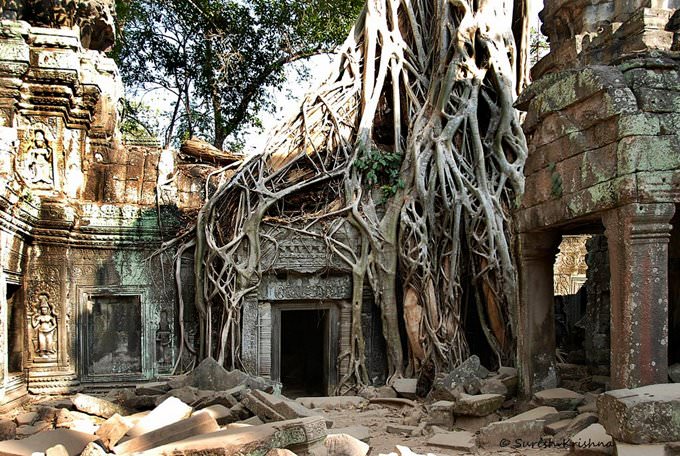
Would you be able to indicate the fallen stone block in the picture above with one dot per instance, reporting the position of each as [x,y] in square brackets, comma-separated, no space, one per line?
[259,408]
[240,412]
[26,418]
[475,423]
[459,440]
[642,415]
[216,398]
[152,388]
[405,387]
[649,449]
[8,429]
[47,414]
[480,405]
[186,394]
[373,392]
[280,452]
[578,424]
[502,433]
[252,421]
[303,434]
[345,445]
[168,412]
[179,381]
[441,414]
[96,406]
[560,398]
[26,430]
[556,427]
[210,375]
[221,414]
[57,450]
[493,385]
[92,449]
[73,441]
[592,440]
[196,425]
[358,432]
[400,429]
[285,407]
[112,430]
[332,402]
[64,418]
[538,413]
[465,378]
[86,426]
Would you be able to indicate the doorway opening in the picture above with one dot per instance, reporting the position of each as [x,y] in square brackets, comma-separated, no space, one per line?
[15,329]
[304,352]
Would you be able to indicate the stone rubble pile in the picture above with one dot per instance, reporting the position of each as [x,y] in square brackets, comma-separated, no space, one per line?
[470,410]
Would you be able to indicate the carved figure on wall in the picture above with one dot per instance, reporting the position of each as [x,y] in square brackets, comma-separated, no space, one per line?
[163,340]
[44,322]
[40,161]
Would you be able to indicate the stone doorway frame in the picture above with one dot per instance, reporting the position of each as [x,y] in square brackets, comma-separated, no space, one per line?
[330,335]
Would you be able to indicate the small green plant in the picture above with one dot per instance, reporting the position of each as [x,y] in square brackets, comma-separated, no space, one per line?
[381,169]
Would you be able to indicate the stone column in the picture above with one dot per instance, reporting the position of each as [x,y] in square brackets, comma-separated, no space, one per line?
[536,329]
[638,236]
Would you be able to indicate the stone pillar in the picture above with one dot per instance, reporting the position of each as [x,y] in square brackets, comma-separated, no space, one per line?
[536,329]
[638,236]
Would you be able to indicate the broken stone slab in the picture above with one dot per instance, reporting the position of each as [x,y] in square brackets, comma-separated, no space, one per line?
[467,377]
[86,426]
[397,401]
[493,385]
[332,402]
[210,375]
[560,398]
[642,415]
[112,430]
[405,387]
[579,423]
[261,409]
[196,425]
[26,418]
[221,414]
[252,421]
[358,432]
[64,418]
[73,441]
[216,398]
[152,388]
[96,406]
[458,440]
[240,412]
[372,392]
[649,449]
[285,407]
[345,445]
[30,429]
[304,434]
[474,423]
[179,381]
[400,429]
[498,434]
[8,429]
[537,413]
[441,414]
[480,405]
[556,427]
[186,394]
[280,452]
[592,440]
[171,410]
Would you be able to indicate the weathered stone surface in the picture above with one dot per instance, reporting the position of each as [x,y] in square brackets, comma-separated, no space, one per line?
[332,402]
[556,427]
[466,378]
[460,440]
[196,425]
[152,388]
[216,398]
[57,450]
[493,385]
[261,409]
[406,387]
[287,408]
[578,424]
[650,449]
[279,452]
[345,445]
[221,414]
[592,440]
[8,429]
[441,414]
[400,429]
[73,441]
[92,449]
[30,429]
[475,423]
[499,433]
[358,432]
[560,398]
[538,413]
[168,412]
[96,406]
[64,418]
[210,375]
[112,430]
[26,418]
[480,405]
[186,394]
[642,415]
[257,439]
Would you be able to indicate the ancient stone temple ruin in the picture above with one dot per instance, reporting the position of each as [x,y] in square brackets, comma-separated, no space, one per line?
[602,128]
[81,213]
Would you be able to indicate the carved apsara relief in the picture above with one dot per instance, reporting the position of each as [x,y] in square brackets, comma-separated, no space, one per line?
[43,323]
[35,163]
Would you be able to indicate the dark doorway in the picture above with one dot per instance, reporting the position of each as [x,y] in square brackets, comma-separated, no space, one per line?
[304,352]
[15,329]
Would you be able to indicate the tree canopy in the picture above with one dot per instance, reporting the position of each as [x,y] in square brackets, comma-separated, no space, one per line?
[216,57]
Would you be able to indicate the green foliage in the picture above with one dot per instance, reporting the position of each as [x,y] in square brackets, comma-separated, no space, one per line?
[381,169]
[217,57]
